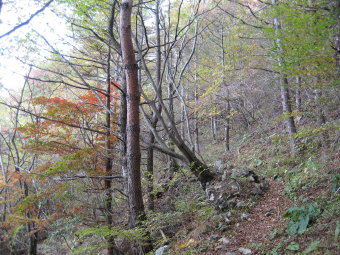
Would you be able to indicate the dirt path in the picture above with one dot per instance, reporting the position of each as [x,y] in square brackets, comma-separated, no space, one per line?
[265,217]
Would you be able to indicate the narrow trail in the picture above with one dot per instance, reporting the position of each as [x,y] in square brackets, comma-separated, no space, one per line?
[265,217]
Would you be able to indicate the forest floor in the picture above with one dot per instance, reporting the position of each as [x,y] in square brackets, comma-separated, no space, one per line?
[265,217]
[299,213]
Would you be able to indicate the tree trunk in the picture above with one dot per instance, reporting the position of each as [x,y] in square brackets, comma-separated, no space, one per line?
[287,111]
[298,99]
[33,238]
[196,129]
[133,153]
[321,119]
[227,129]
[173,166]
[112,249]
[213,127]
[154,120]
[285,98]
[337,37]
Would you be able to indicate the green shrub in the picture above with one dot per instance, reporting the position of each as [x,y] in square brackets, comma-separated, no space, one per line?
[301,217]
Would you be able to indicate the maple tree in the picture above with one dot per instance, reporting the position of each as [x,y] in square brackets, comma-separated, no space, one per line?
[72,135]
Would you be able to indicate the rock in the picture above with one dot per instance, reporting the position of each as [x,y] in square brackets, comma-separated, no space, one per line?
[241,172]
[227,220]
[214,237]
[225,204]
[228,214]
[264,185]
[162,250]
[223,228]
[244,216]
[221,247]
[224,240]
[231,253]
[245,172]
[256,191]
[244,251]
[240,204]
[225,175]
[218,163]
[237,225]
[221,166]
[211,194]
[268,213]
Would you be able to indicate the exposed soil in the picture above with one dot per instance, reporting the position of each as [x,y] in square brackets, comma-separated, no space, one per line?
[265,217]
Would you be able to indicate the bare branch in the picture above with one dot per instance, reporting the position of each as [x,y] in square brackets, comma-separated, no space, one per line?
[27,21]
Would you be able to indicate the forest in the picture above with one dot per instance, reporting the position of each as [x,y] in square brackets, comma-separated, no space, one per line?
[169,127]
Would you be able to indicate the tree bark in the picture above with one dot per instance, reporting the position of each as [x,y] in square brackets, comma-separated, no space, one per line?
[112,249]
[154,120]
[133,153]
[285,97]
[173,166]
[298,99]
[321,119]
[227,128]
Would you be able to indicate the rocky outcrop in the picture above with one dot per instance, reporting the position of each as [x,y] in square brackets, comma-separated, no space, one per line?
[162,250]
[233,186]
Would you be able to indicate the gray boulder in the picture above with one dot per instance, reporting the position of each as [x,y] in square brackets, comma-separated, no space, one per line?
[244,251]
[162,250]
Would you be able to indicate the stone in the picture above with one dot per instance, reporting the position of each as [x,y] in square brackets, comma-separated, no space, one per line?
[241,172]
[221,166]
[224,240]
[210,192]
[267,214]
[214,237]
[256,191]
[240,204]
[225,204]
[225,175]
[221,247]
[162,250]
[244,216]
[264,185]
[218,164]
[244,251]
[228,214]
[227,220]
[223,228]
[231,253]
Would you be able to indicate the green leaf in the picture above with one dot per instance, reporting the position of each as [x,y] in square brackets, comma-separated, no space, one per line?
[293,246]
[313,246]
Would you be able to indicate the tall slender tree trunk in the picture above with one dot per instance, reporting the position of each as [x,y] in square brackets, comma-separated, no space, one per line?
[173,166]
[213,127]
[133,153]
[284,88]
[287,111]
[196,129]
[227,124]
[321,119]
[122,130]
[337,37]
[154,120]
[33,238]
[298,100]
[112,249]
[227,129]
